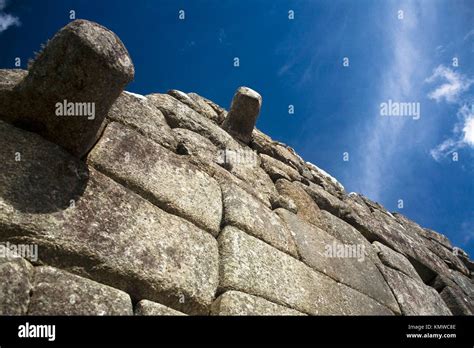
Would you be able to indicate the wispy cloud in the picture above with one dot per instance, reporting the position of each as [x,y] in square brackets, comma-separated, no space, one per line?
[221,37]
[400,81]
[454,86]
[453,92]
[469,35]
[6,19]
[463,134]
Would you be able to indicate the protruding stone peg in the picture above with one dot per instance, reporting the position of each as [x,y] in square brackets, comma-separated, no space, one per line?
[71,85]
[243,114]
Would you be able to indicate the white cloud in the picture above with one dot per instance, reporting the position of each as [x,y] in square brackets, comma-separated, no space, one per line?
[463,134]
[445,148]
[6,19]
[451,90]
[468,131]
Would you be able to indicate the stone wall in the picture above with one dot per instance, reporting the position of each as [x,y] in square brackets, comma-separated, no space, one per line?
[167,204]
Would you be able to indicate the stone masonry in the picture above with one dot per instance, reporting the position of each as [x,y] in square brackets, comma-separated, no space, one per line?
[167,204]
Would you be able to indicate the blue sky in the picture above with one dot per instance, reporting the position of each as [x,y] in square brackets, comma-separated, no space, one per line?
[400,56]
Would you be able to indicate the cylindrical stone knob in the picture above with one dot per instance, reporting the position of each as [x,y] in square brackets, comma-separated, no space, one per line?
[243,114]
[72,84]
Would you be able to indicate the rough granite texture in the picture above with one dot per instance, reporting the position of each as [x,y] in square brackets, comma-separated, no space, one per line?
[240,303]
[250,265]
[56,292]
[413,296]
[170,203]
[83,63]
[16,285]
[149,308]
[165,179]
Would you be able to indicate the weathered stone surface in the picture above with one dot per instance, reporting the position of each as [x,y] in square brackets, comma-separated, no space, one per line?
[10,101]
[412,229]
[285,203]
[458,303]
[138,113]
[435,242]
[220,111]
[447,256]
[325,200]
[278,170]
[357,214]
[196,103]
[414,297]
[355,269]
[307,208]
[145,307]
[224,177]
[179,115]
[395,236]
[15,286]
[252,266]
[229,165]
[57,292]
[37,176]
[9,78]
[184,98]
[460,252]
[373,206]
[83,63]
[245,165]
[459,294]
[287,155]
[195,145]
[324,180]
[240,303]
[343,231]
[248,214]
[261,142]
[160,176]
[464,284]
[396,261]
[243,114]
[203,154]
[441,281]
[438,237]
[379,226]
[205,108]
[464,259]
[106,233]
